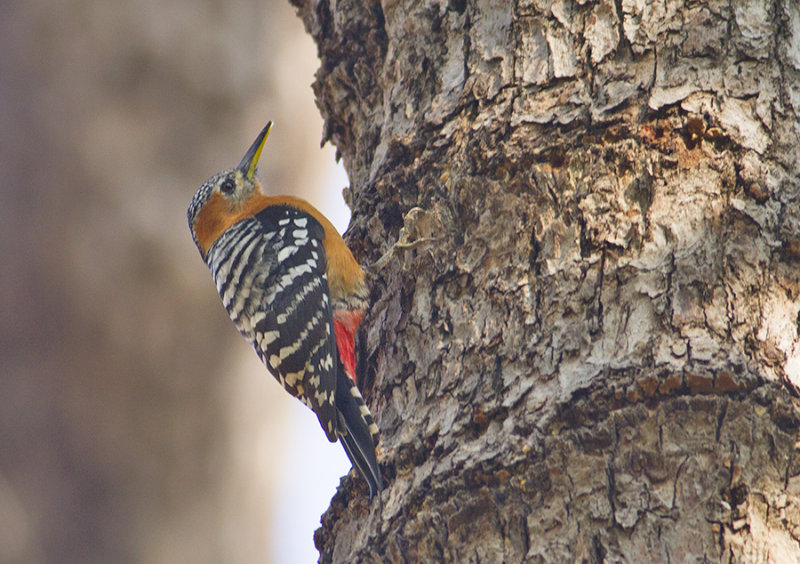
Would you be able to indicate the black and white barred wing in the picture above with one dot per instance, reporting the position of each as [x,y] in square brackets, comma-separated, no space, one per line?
[276,292]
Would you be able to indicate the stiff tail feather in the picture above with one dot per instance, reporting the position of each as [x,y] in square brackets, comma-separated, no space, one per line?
[359,434]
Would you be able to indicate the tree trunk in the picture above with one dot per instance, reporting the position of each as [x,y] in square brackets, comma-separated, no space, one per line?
[583,229]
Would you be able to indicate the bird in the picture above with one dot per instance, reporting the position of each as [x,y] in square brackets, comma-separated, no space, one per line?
[295,292]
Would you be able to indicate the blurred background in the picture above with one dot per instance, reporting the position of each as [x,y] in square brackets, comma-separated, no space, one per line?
[136,425]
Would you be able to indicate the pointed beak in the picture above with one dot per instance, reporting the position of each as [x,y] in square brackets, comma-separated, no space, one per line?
[250,159]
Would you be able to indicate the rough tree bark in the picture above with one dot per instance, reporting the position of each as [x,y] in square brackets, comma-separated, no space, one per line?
[582,224]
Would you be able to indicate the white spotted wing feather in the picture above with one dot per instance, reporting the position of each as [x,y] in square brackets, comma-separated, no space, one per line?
[270,272]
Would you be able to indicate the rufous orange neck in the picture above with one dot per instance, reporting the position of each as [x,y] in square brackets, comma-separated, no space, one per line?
[219,214]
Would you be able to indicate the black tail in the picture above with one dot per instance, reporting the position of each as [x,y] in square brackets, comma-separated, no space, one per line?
[359,434]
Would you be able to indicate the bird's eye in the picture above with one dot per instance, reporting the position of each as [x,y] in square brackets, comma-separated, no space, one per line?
[227,186]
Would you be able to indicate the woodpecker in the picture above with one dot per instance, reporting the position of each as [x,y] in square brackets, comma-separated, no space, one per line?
[295,292]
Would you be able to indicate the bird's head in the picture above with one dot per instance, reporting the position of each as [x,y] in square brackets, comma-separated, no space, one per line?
[222,199]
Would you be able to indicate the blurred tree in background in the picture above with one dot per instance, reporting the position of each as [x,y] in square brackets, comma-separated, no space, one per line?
[128,425]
